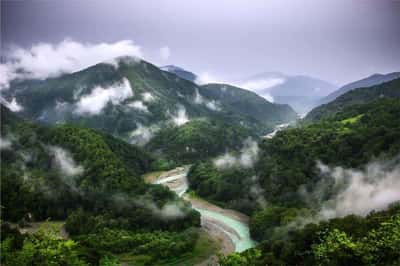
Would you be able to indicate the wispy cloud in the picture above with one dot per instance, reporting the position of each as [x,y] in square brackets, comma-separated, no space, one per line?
[360,191]
[14,106]
[180,117]
[246,158]
[94,102]
[45,60]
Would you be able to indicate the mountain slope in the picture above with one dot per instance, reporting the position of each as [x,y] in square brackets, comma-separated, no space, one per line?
[244,102]
[128,98]
[389,89]
[180,72]
[372,80]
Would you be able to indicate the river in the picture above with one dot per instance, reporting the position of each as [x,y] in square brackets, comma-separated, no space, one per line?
[230,224]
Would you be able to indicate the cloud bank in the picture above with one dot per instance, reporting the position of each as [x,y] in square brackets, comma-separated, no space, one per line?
[45,60]
[360,191]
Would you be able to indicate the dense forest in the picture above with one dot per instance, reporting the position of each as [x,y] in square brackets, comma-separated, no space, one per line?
[94,182]
[291,184]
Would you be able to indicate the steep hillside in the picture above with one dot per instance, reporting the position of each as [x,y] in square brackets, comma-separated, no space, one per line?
[129,98]
[372,80]
[389,89]
[239,102]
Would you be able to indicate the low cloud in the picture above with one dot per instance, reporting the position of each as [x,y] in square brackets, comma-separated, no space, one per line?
[246,158]
[64,161]
[210,104]
[45,60]
[142,134]
[138,105]
[5,143]
[14,106]
[360,191]
[180,117]
[94,102]
[147,97]
[165,53]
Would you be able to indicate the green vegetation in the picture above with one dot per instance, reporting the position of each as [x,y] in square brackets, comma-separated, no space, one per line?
[92,180]
[288,188]
[197,140]
[354,97]
[347,241]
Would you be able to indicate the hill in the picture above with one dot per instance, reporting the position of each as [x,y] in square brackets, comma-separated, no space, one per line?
[389,89]
[370,81]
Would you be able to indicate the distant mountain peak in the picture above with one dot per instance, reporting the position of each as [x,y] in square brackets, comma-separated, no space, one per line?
[180,72]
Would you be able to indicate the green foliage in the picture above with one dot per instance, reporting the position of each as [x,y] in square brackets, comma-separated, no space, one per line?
[248,258]
[197,140]
[41,248]
[288,161]
[228,187]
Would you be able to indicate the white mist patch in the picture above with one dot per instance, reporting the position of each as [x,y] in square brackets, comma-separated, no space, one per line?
[169,211]
[96,101]
[360,191]
[246,158]
[147,97]
[14,106]
[138,105]
[65,162]
[210,104]
[180,117]
[45,60]
[142,134]
[5,143]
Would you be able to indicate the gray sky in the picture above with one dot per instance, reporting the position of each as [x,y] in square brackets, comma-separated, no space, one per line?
[336,40]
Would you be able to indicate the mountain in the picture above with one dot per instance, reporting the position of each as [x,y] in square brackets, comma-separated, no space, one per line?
[357,96]
[300,92]
[180,72]
[131,99]
[372,80]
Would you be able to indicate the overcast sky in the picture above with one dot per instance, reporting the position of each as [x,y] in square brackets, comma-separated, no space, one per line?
[336,40]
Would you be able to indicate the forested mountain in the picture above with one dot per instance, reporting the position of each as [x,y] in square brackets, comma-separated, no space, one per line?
[370,81]
[131,99]
[308,174]
[94,181]
[389,89]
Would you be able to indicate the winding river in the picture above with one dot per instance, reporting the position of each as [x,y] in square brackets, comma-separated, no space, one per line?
[231,225]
